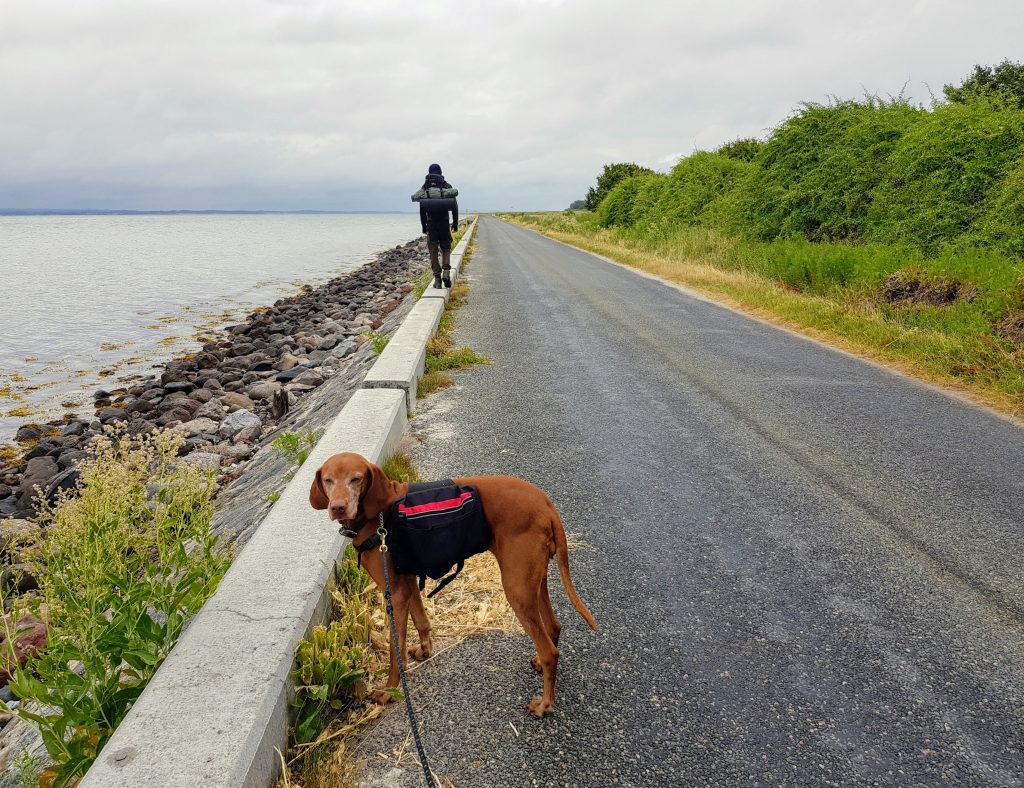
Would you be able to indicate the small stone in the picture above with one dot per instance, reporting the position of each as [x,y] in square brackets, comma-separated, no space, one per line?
[249,434]
[286,362]
[263,391]
[65,480]
[344,348]
[15,534]
[30,642]
[234,400]
[108,415]
[211,410]
[310,377]
[18,577]
[179,386]
[198,427]
[28,433]
[202,395]
[204,461]
[74,428]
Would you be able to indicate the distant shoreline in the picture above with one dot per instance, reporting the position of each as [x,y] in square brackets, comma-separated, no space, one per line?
[103,212]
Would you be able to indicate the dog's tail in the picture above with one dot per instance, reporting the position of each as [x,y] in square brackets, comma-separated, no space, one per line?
[562,556]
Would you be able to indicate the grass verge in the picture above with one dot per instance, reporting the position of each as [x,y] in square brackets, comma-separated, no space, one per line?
[956,345]
[442,354]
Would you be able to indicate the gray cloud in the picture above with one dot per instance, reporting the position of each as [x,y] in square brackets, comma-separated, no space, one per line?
[341,105]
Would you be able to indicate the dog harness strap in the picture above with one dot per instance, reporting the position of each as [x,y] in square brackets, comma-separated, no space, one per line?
[444,580]
[368,543]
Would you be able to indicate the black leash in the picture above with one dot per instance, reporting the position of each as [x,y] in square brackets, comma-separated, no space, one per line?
[382,533]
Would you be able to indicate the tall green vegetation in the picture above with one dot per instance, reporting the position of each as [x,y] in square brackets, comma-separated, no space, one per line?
[611,175]
[872,170]
[125,563]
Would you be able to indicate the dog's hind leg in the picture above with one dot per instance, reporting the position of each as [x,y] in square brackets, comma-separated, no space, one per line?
[551,623]
[522,579]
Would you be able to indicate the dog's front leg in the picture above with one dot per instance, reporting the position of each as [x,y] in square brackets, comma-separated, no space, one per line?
[400,604]
[420,620]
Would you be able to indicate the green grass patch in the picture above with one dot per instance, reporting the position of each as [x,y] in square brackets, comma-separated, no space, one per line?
[399,467]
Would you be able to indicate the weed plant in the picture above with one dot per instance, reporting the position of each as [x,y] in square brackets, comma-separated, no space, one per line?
[295,446]
[128,558]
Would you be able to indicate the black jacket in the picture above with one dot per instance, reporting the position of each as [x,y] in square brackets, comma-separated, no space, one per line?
[433,217]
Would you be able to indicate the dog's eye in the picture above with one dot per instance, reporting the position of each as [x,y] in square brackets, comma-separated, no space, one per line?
[357,479]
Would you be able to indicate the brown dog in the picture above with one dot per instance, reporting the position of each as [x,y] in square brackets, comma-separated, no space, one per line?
[526,532]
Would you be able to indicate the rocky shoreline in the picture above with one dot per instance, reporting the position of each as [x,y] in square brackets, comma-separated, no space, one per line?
[288,367]
[232,391]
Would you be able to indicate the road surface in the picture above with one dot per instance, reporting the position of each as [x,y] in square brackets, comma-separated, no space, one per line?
[806,569]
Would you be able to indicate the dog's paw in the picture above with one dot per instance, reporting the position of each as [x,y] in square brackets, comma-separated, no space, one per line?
[538,707]
[381,697]
[420,652]
[535,664]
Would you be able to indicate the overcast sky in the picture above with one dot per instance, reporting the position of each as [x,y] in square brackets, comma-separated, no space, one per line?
[337,105]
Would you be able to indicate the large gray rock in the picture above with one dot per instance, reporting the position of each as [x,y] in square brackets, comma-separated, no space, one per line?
[239,420]
[38,471]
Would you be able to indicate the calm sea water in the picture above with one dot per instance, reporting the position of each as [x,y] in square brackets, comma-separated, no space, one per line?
[83,294]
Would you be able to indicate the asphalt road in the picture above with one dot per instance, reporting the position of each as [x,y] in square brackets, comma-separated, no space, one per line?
[807,570]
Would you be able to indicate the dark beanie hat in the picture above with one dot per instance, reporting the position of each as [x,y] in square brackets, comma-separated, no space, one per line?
[434,169]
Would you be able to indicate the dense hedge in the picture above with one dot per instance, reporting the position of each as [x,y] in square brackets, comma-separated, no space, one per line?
[946,177]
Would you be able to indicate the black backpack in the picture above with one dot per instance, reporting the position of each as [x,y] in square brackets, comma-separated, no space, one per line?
[436,526]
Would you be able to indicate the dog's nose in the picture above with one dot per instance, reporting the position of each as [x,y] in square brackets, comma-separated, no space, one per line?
[338,509]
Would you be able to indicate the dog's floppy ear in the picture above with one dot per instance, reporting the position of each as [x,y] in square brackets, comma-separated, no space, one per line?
[379,492]
[317,497]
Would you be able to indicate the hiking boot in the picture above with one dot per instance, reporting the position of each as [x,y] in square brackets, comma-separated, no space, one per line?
[437,282]
[446,279]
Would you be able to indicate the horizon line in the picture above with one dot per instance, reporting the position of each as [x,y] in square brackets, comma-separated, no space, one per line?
[151,212]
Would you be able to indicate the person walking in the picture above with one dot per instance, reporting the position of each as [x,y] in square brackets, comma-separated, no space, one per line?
[434,220]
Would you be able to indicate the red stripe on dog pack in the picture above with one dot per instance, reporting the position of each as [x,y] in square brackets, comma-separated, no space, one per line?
[436,506]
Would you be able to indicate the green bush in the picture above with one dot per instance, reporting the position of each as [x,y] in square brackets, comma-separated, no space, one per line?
[126,562]
[941,174]
[695,183]
[816,176]
[295,446]
[1002,225]
[617,208]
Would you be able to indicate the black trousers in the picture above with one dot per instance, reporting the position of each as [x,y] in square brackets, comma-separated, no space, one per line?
[439,239]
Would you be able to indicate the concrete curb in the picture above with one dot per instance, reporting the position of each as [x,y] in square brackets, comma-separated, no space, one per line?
[216,712]
[401,363]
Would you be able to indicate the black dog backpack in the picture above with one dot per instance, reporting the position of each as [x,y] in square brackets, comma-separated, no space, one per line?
[436,526]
